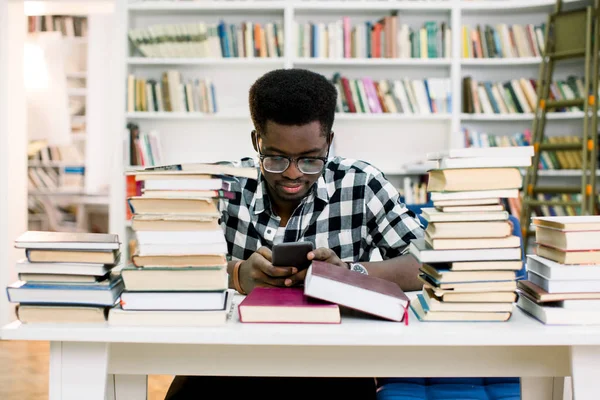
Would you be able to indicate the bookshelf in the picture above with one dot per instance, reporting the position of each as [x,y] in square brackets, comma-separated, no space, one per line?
[394,142]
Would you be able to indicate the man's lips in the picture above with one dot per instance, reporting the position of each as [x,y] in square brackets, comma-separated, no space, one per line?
[291,187]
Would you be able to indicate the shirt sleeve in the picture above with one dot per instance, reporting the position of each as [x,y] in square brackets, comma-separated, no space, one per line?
[391,226]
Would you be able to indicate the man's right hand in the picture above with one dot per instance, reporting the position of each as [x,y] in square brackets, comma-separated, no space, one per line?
[258,270]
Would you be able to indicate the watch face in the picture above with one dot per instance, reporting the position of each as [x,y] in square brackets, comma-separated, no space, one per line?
[359,268]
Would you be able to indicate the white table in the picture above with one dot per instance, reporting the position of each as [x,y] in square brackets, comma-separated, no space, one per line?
[97,362]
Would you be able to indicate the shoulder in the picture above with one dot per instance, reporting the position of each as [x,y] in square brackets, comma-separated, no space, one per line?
[348,172]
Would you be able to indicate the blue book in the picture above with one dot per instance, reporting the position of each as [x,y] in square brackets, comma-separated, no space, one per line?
[101,294]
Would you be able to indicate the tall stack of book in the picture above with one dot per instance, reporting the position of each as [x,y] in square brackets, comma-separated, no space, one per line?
[469,254]
[66,277]
[563,277]
[178,274]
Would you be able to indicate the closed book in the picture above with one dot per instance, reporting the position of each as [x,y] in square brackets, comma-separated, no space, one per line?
[436,303]
[67,241]
[567,240]
[286,305]
[57,314]
[569,223]
[174,279]
[365,293]
[425,254]
[555,314]
[104,257]
[453,180]
[423,313]
[569,257]
[446,276]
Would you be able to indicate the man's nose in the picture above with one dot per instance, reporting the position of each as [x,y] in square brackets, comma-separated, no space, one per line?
[292,172]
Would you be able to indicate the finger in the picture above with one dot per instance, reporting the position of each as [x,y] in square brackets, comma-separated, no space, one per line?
[270,270]
[265,252]
[296,278]
[270,281]
[322,253]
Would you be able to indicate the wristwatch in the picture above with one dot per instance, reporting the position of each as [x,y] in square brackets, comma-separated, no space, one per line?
[356,267]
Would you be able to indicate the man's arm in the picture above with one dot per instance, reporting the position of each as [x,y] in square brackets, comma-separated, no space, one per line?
[403,270]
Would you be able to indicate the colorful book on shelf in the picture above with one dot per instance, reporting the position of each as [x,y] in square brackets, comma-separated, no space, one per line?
[365,293]
[286,305]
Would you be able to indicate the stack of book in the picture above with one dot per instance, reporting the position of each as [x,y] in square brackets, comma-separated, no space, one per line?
[178,274]
[563,277]
[66,277]
[469,255]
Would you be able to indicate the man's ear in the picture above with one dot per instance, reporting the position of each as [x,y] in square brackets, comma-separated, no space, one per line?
[331,134]
[254,138]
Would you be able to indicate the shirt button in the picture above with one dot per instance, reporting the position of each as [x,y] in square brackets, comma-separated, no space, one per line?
[269,231]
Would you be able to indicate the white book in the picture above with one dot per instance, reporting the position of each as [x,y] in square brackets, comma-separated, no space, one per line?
[475,194]
[180,237]
[23,266]
[195,300]
[469,152]
[552,270]
[425,254]
[553,314]
[482,162]
[564,286]
[432,215]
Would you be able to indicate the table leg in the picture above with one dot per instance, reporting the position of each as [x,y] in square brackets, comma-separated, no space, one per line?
[585,364]
[78,370]
[534,388]
[127,387]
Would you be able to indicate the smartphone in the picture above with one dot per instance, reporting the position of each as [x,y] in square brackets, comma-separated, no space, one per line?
[292,254]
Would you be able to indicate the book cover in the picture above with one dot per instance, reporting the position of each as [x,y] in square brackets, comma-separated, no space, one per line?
[365,293]
[67,241]
[286,305]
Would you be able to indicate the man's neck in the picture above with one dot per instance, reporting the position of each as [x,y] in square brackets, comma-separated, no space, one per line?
[284,209]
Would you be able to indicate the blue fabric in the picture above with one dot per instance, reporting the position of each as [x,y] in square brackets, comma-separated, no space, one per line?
[449,389]
[455,388]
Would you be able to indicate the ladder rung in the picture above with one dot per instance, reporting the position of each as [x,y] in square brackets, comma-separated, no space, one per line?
[560,146]
[556,189]
[554,203]
[563,55]
[553,104]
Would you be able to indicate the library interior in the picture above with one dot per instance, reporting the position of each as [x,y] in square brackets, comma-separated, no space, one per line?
[393,199]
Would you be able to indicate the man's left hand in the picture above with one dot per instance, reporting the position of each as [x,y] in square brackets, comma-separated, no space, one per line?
[320,254]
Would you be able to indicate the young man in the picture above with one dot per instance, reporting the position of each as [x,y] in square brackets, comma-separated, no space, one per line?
[346,208]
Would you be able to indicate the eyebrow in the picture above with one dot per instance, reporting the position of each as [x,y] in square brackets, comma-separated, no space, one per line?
[276,150]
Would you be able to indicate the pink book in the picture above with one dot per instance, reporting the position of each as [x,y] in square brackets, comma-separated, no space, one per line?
[286,305]
[347,40]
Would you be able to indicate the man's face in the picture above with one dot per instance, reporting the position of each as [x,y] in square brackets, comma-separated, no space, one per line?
[291,141]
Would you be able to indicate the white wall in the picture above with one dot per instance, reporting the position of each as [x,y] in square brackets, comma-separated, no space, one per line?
[13,145]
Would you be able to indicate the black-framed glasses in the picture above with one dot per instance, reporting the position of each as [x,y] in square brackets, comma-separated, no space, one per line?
[277,164]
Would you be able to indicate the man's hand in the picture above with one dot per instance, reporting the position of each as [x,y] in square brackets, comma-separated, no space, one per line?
[258,270]
[321,254]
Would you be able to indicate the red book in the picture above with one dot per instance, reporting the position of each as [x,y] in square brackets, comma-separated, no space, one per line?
[369,294]
[286,305]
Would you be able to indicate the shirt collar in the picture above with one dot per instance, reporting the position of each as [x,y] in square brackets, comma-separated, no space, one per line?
[260,199]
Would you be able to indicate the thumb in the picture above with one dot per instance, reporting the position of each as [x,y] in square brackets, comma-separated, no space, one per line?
[321,253]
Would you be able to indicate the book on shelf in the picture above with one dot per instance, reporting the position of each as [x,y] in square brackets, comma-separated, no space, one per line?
[66,277]
[386,37]
[210,40]
[502,40]
[469,270]
[67,25]
[561,289]
[392,96]
[516,96]
[171,93]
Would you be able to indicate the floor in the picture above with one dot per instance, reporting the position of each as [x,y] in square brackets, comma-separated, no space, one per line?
[30,359]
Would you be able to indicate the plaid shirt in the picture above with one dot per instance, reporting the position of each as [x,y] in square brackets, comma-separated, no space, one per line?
[352,209]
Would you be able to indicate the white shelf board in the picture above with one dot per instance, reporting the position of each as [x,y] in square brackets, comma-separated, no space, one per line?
[77,75]
[372,62]
[206,5]
[511,5]
[434,6]
[186,115]
[520,117]
[241,61]
[391,117]
[53,164]
[79,92]
[483,62]
[563,172]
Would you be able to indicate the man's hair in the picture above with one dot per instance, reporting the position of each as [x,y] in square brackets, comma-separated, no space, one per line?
[293,97]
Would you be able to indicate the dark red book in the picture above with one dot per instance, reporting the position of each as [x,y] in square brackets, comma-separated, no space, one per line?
[366,293]
[286,305]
